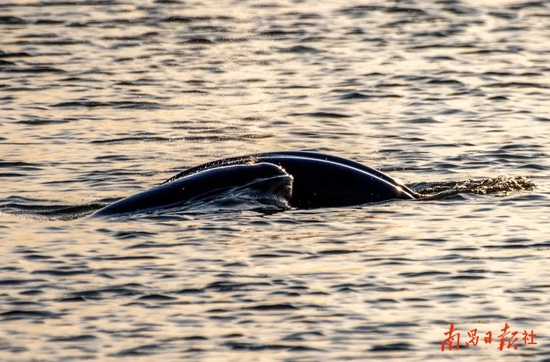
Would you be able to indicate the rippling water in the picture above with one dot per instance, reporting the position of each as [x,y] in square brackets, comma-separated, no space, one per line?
[102,99]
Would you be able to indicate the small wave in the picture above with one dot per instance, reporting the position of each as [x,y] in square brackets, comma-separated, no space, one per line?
[35,69]
[11,20]
[14,55]
[300,49]
[321,115]
[501,185]
[116,105]
[50,212]
[359,95]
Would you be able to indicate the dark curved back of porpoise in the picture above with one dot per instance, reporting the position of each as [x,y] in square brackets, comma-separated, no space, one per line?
[322,180]
[322,183]
[198,185]
[341,160]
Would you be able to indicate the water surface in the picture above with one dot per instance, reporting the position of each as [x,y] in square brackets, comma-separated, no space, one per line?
[102,99]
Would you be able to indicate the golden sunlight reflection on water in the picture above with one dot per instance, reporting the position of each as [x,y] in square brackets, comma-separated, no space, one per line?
[102,100]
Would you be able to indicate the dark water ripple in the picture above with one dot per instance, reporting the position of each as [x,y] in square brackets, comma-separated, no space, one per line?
[100,99]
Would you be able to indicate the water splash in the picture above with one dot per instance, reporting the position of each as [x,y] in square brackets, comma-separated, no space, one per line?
[500,186]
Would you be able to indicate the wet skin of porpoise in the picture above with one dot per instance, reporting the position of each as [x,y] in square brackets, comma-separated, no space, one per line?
[306,179]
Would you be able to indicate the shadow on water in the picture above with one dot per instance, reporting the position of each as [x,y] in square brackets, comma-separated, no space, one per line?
[500,186]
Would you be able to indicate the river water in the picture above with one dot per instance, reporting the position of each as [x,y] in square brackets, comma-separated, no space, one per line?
[102,99]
